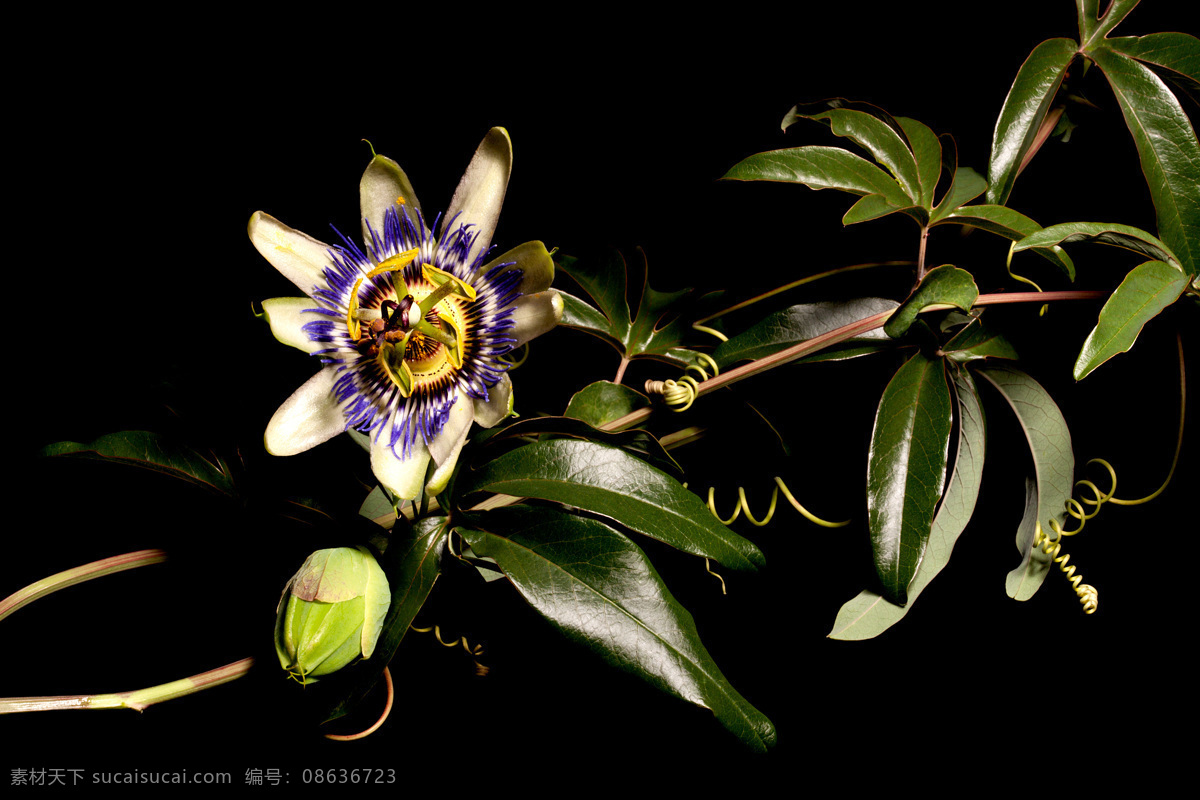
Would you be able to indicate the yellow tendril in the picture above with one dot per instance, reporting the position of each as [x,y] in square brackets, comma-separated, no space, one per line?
[473,652]
[1089,598]
[680,394]
[743,507]
[1015,276]
[709,570]
[711,332]
[514,364]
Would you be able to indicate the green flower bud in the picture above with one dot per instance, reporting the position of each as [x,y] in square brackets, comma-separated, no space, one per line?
[331,612]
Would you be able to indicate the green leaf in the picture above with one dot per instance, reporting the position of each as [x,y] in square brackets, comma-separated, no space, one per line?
[906,470]
[800,323]
[870,613]
[1125,236]
[1167,148]
[600,589]
[977,341]
[1049,441]
[883,141]
[965,183]
[638,442]
[1024,109]
[1092,26]
[944,285]
[378,506]
[658,328]
[927,151]
[412,562]
[604,401]
[608,481]
[1144,293]
[1012,225]
[872,206]
[820,168]
[152,452]
[1177,55]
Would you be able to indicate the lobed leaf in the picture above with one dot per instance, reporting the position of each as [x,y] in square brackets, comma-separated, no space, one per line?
[1125,236]
[820,168]
[1049,441]
[944,285]
[976,341]
[1168,151]
[599,588]
[1012,225]
[1177,55]
[870,613]
[153,452]
[884,141]
[1145,292]
[1093,26]
[609,481]
[906,470]
[927,152]
[1028,100]
[800,323]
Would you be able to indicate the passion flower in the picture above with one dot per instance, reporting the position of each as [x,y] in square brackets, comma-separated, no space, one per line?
[411,327]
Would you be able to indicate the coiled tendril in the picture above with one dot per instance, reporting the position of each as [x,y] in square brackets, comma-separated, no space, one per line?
[680,394]
[744,507]
[473,652]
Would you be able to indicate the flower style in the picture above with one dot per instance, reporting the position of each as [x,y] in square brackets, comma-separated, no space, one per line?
[412,327]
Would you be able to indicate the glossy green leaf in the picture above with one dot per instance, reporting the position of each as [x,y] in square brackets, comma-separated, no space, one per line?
[965,186]
[944,285]
[657,330]
[977,341]
[604,401]
[1024,109]
[638,442]
[412,562]
[872,206]
[152,452]
[1012,225]
[870,613]
[1167,148]
[1176,55]
[820,168]
[1125,236]
[1093,26]
[609,481]
[877,137]
[906,470]
[800,323]
[927,151]
[1145,292]
[600,589]
[1049,441]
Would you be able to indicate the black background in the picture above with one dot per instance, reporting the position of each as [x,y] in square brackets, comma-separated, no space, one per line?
[131,283]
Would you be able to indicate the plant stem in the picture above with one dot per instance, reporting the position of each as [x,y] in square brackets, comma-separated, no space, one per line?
[921,253]
[621,370]
[70,577]
[138,700]
[841,334]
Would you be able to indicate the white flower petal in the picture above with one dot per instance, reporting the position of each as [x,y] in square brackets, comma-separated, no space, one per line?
[287,317]
[307,418]
[480,193]
[383,185]
[441,475]
[534,262]
[450,437]
[535,314]
[498,406]
[403,477]
[301,258]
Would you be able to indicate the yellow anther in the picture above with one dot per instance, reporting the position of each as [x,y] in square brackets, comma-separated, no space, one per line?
[394,263]
[439,277]
[352,326]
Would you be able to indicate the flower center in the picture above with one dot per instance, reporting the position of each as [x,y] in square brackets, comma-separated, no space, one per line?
[419,339]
